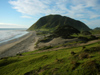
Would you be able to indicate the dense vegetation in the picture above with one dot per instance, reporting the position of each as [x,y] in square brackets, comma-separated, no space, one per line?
[65,31]
[52,22]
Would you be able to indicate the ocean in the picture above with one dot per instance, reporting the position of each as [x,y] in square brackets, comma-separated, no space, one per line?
[7,34]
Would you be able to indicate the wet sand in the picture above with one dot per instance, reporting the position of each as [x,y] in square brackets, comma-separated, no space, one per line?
[19,45]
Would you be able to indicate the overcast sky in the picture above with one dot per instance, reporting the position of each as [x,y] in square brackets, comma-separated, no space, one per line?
[23,13]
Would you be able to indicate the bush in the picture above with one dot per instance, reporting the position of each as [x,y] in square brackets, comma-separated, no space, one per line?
[73,53]
[89,68]
[86,33]
[44,56]
[59,60]
[92,49]
[83,38]
[45,40]
[83,55]
[33,72]
[45,47]
[87,38]
[74,64]
[92,37]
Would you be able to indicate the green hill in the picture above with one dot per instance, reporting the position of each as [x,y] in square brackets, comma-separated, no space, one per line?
[54,21]
[97,28]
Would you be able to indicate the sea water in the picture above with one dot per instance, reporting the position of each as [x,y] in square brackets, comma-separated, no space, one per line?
[7,34]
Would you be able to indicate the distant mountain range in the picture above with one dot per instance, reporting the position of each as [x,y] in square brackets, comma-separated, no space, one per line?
[97,28]
[54,21]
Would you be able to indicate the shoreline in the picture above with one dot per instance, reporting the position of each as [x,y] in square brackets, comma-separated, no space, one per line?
[18,45]
[14,40]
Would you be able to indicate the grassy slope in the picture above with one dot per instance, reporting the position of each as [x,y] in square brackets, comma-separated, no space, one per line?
[59,62]
[95,31]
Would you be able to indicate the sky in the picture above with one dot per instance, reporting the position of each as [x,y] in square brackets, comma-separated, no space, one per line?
[24,13]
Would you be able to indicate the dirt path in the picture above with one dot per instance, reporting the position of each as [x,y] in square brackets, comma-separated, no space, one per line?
[83,44]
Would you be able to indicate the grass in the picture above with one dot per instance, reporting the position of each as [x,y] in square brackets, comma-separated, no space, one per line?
[43,31]
[95,31]
[45,47]
[60,62]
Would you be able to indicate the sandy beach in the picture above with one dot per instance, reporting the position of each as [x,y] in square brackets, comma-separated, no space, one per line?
[19,45]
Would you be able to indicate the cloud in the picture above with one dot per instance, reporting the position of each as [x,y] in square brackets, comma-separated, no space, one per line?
[30,7]
[26,17]
[81,10]
[9,25]
[93,23]
[70,7]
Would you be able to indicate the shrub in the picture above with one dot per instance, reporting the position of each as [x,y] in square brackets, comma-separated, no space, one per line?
[83,47]
[46,67]
[45,47]
[45,39]
[92,37]
[73,53]
[83,38]
[87,38]
[86,33]
[59,60]
[55,69]
[89,68]
[83,55]
[4,58]
[44,56]
[74,64]
[19,54]
[92,49]
[33,72]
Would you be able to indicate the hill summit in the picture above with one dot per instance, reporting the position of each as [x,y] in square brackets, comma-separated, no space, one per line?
[55,21]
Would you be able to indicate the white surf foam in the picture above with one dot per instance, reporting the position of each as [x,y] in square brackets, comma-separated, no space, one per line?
[9,34]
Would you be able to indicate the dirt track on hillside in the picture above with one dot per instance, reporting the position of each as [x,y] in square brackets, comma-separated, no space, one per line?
[76,45]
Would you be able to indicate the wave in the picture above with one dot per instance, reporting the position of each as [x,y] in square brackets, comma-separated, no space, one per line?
[10,34]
